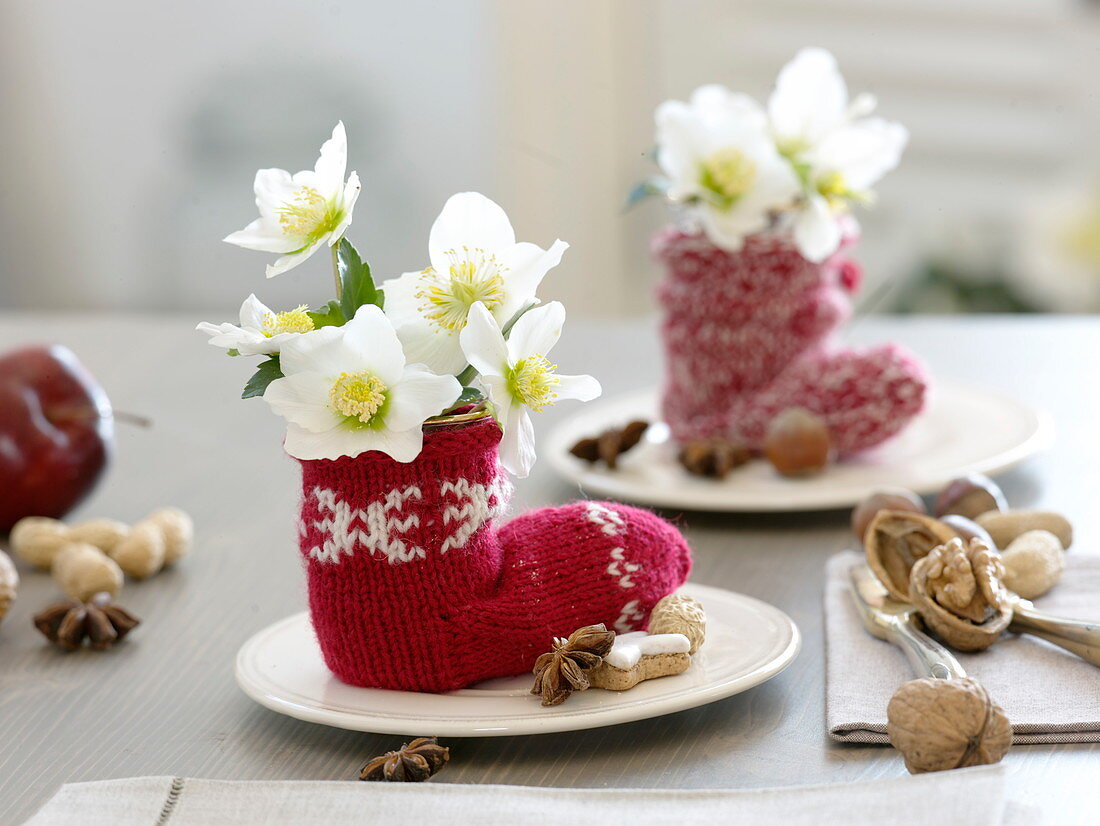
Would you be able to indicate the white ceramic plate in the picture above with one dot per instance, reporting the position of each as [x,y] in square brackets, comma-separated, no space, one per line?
[965,430]
[748,642]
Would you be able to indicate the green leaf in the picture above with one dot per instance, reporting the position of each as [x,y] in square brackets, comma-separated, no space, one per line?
[233,351]
[328,316]
[646,189]
[266,373]
[469,395]
[356,284]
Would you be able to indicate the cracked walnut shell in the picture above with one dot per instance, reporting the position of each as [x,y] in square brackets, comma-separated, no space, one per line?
[895,540]
[959,591]
[946,724]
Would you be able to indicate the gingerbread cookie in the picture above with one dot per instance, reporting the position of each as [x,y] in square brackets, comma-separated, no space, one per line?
[640,656]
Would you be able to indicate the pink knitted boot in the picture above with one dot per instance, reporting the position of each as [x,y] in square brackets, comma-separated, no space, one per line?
[748,335]
[412,587]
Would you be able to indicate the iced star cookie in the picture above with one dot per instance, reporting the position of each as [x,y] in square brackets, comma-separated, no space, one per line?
[639,656]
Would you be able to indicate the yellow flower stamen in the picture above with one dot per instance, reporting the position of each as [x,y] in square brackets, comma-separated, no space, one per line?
[292,321]
[473,276]
[727,175]
[791,147]
[308,215]
[1081,239]
[358,396]
[531,381]
[834,189]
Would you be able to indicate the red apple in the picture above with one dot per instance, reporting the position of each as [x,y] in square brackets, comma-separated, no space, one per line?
[56,431]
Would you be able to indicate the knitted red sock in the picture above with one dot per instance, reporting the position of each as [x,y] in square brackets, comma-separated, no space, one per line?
[748,335]
[864,396]
[412,587]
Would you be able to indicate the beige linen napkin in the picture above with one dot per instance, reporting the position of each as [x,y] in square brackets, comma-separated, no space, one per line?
[975,797]
[1049,695]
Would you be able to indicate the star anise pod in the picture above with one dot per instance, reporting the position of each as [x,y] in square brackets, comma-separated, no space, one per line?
[713,457]
[68,623]
[411,763]
[561,671]
[609,445]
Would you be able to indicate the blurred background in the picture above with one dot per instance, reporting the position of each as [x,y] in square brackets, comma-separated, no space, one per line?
[130,133]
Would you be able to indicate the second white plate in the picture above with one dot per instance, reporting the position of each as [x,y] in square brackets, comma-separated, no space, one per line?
[965,430]
[748,642]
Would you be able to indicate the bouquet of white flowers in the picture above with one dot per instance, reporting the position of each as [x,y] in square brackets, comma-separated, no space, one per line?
[738,168]
[462,337]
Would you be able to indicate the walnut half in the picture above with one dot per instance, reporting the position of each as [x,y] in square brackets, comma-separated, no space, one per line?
[895,540]
[959,591]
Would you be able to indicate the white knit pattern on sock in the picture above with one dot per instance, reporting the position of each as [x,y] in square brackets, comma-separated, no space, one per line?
[612,524]
[475,504]
[381,526]
[630,617]
[609,521]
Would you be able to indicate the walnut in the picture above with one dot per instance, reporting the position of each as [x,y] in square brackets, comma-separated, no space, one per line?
[959,592]
[679,614]
[895,540]
[411,763]
[1033,563]
[946,724]
[561,671]
[9,583]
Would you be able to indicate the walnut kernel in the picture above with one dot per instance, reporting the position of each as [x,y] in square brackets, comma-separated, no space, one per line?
[958,590]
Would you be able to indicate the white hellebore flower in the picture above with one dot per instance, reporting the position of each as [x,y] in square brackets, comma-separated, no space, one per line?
[299,213]
[518,377]
[838,152]
[347,390]
[474,257]
[262,331]
[720,159]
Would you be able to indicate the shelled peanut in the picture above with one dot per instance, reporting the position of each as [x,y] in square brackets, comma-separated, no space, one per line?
[93,556]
